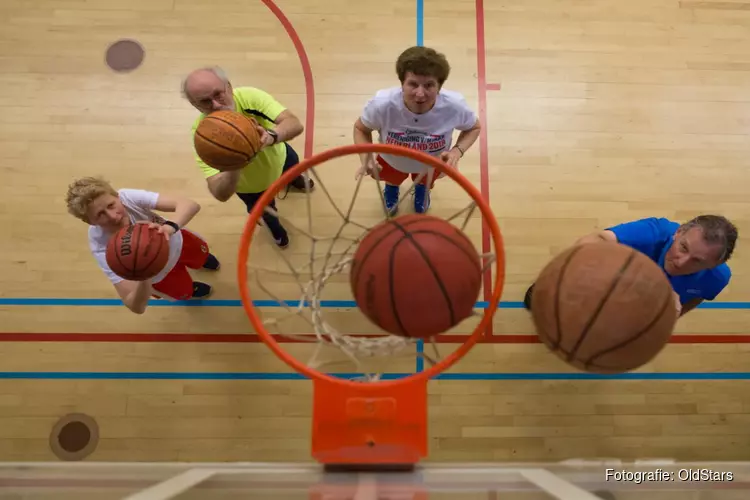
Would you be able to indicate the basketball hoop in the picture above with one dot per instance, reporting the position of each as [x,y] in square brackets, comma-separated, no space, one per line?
[370,421]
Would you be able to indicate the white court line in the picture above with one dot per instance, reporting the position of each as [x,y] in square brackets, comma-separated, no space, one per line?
[173,486]
[556,486]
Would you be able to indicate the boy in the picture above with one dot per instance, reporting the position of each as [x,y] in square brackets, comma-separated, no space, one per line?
[420,115]
[106,210]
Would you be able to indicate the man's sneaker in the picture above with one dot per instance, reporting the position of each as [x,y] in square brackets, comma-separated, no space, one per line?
[390,194]
[201,290]
[527,298]
[421,199]
[299,183]
[282,242]
[212,263]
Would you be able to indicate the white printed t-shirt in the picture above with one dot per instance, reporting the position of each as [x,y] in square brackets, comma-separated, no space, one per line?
[430,132]
[138,205]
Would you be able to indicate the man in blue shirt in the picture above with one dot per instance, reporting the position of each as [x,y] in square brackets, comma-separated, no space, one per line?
[693,255]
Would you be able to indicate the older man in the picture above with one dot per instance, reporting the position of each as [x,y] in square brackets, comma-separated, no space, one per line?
[693,255]
[209,90]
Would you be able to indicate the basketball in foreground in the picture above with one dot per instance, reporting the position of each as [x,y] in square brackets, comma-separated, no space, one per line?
[137,253]
[416,276]
[603,307]
[227,140]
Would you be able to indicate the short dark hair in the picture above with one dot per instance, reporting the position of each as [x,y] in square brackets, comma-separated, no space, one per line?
[717,230]
[423,61]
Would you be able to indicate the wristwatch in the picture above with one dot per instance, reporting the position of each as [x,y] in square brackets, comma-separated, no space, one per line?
[273,134]
[173,225]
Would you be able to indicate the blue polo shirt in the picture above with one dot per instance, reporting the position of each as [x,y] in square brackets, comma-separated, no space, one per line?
[653,237]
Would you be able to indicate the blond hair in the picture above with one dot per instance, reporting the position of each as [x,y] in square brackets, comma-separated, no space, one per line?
[82,192]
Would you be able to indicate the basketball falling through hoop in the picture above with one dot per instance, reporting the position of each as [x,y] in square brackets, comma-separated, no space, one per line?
[414,276]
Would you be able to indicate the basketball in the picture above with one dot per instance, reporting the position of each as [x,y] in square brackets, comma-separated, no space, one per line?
[227,140]
[137,253]
[416,276]
[603,307]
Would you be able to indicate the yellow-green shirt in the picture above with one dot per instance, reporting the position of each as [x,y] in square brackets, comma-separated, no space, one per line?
[266,167]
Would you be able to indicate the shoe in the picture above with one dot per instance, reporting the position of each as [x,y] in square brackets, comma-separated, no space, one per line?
[201,290]
[299,183]
[212,263]
[527,298]
[390,194]
[421,199]
[282,242]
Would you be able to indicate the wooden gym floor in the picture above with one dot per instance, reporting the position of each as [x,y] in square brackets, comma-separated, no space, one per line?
[595,113]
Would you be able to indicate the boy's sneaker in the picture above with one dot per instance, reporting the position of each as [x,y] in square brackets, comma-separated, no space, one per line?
[390,194]
[201,290]
[282,242]
[421,198]
[212,263]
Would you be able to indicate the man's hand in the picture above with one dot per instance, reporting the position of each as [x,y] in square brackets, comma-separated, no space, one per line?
[450,158]
[677,303]
[367,168]
[266,139]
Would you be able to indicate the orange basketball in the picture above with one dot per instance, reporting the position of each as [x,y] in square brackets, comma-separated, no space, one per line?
[603,307]
[416,276]
[137,253]
[227,140]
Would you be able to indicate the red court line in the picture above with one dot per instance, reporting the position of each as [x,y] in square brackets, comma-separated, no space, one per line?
[249,338]
[483,150]
[306,71]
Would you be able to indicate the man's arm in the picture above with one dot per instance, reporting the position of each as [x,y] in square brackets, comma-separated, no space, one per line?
[468,137]
[363,135]
[287,126]
[690,305]
[224,184]
[597,237]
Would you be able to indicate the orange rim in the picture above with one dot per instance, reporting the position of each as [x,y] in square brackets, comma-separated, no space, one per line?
[353,149]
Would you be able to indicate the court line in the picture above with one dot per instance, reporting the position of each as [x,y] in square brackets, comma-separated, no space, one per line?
[387,376]
[343,304]
[484,182]
[420,22]
[306,71]
[420,42]
[250,338]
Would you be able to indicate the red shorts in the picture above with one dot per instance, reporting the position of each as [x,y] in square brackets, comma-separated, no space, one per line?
[178,283]
[397,177]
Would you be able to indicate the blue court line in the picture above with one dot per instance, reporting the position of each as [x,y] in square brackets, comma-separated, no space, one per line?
[420,359]
[342,304]
[420,42]
[420,22]
[387,376]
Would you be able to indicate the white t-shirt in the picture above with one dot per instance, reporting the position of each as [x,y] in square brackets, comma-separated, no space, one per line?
[430,132]
[138,205]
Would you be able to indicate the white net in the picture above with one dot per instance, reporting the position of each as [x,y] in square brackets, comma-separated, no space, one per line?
[326,224]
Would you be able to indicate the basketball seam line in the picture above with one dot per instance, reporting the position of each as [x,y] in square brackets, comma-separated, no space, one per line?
[602,303]
[136,244]
[117,250]
[561,276]
[215,118]
[432,268]
[392,229]
[452,242]
[221,146]
[158,251]
[635,337]
[391,286]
